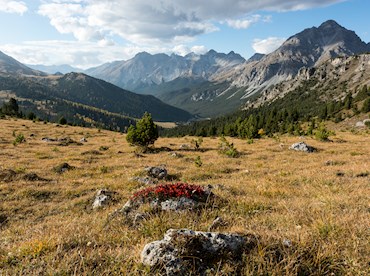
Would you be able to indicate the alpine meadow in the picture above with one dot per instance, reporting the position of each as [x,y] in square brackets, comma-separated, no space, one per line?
[184,138]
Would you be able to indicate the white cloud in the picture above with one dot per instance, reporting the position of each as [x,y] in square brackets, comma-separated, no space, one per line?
[246,23]
[13,6]
[268,45]
[183,50]
[158,21]
[84,54]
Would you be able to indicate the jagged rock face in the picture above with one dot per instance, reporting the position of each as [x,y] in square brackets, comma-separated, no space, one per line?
[353,71]
[146,69]
[308,48]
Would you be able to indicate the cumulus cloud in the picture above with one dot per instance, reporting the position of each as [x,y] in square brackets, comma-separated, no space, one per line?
[158,21]
[13,6]
[268,45]
[246,23]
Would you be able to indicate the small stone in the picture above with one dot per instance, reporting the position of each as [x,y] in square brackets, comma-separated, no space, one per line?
[83,140]
[103,197]
[287,243]
[144,180]
[302,146]
[63,168]
[218,222]
[360,124]
[139,217]
[156,172]
[184,147]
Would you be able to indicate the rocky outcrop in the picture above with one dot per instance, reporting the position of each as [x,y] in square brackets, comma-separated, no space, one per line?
[184,251]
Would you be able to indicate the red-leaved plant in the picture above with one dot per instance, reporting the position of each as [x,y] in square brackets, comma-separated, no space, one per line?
[166,191]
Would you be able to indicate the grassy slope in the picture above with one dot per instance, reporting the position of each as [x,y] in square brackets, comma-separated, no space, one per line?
[269,190]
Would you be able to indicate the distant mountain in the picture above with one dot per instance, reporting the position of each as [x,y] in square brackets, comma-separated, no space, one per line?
[79,96]
[332,80]
[53,69]
[145,71]
[308,48]
[9,65]
[255,57]
[227,90]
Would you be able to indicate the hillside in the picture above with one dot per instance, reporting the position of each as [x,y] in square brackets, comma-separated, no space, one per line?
[308,212]
[331,80]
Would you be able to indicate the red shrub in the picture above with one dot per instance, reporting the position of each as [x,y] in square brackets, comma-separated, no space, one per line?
[177,190]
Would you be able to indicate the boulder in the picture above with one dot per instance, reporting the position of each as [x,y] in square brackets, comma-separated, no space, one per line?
[184,251]
[103,197]
[302,146]
[156,172]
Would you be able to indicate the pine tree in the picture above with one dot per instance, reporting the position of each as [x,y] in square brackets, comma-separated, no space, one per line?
[145,132]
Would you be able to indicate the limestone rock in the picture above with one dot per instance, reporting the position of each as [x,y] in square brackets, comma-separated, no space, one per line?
[144,180]
[182,248]
[156,172]
[302,146]
[179,204]
[103,197]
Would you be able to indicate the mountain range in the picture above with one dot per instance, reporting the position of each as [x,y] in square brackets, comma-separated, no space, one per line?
[206,85]
[212,84]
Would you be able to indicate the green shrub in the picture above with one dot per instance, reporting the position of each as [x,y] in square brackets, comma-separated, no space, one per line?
[322,133]
[227,148]
[145,132]
[198,162]
[197,143]
[19,139]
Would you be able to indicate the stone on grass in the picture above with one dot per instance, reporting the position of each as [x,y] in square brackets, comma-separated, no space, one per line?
[360,124]
[103,197]
[63,168]
[144,180]
[185,251]
[302,146]
[216,223]
[83,140]
[184,147]
[156,172]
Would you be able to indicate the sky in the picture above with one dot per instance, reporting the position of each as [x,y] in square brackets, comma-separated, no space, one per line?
[87,33]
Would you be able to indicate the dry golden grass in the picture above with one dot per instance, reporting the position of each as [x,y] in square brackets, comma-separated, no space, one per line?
[270,191]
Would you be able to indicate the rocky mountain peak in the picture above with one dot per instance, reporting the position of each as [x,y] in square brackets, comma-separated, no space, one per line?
[330,24]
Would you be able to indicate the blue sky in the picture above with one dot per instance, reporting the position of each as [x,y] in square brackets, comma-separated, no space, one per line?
[86,33]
